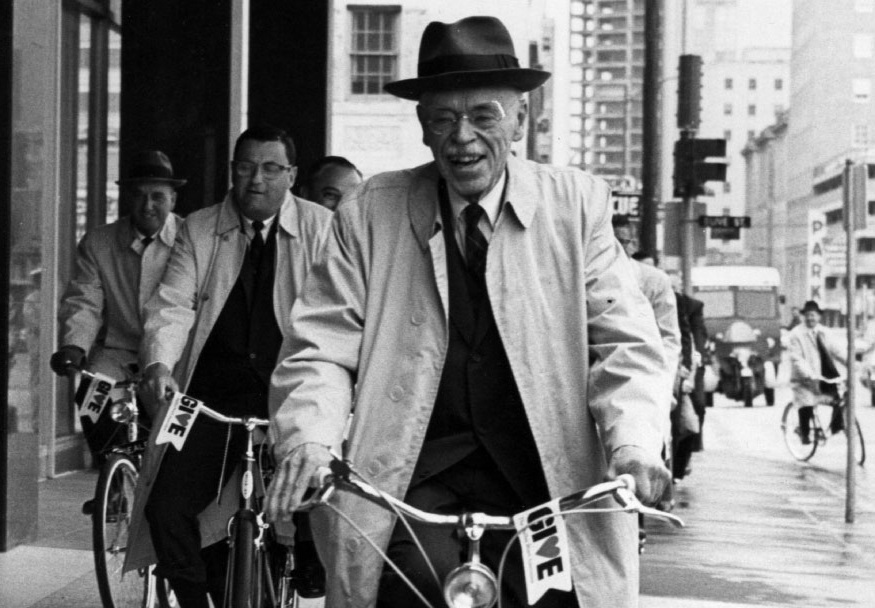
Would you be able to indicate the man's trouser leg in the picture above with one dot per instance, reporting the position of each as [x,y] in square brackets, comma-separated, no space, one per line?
[185,485]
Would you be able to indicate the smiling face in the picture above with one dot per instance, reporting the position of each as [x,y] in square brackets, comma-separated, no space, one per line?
[472,154]
[150,202]
[259,198]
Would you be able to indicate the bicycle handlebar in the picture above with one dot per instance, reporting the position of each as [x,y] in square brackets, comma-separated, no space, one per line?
[242,421]
[340,476]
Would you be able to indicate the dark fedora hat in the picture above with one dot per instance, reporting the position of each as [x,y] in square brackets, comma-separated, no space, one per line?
[151,166]
[811,305]
[475,51]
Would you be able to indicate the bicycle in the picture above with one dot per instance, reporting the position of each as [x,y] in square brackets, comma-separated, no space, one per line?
[261,570]
[803,446]
[114,496]
[473,584]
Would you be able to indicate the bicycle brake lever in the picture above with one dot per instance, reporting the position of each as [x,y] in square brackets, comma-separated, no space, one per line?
[630,503]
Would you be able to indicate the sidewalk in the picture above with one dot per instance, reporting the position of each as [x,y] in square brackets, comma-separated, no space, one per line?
[762,529]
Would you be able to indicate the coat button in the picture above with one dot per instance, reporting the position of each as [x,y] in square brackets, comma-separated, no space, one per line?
[396,393]
[352,545]
[374,468]
[205,297]
[418,318]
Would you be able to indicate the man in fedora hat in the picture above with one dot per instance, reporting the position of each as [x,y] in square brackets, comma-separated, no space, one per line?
[481,316]
[813,355]
[118,266]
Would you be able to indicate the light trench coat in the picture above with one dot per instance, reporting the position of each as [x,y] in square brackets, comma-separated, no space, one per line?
[580,336]
[805,363]
[101,310]
[201,272]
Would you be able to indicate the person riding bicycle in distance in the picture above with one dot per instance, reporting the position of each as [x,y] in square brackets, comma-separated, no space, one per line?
[812,357]
[489,328]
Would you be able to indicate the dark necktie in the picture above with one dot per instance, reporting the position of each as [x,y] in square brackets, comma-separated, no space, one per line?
[146,240]
[257,244]
[475,242]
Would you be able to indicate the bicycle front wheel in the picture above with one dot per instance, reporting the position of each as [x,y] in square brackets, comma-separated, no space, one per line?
[110,524]
[801,447]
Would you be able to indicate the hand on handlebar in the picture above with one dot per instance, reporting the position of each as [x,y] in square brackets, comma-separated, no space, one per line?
[650,475]
[67,359]
[155,385]
[298,471]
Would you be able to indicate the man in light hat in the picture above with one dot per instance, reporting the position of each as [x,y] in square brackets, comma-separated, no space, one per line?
[118,266]
[485,322]
[813,355]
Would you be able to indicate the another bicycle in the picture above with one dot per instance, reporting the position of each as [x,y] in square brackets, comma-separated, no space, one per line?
[261,570]
[114,496]
[473,584]
[803,446]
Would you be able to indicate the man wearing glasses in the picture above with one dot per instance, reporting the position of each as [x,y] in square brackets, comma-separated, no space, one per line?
[489,329]
[213,330]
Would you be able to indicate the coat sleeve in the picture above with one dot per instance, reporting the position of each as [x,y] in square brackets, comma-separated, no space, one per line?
[626,353]
[170,312]
[665,310]
[81,310]
[311,387]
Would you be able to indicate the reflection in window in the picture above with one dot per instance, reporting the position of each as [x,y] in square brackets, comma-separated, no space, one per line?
[755,304]
[718,303]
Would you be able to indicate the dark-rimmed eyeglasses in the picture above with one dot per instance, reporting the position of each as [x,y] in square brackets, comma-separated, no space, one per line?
[482,118]
[245,168]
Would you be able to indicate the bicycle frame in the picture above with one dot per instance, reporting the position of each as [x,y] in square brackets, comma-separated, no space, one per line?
[473,583]
[248,564]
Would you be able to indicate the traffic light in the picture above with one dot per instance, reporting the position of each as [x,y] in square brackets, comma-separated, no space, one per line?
[689,92]
[691,167]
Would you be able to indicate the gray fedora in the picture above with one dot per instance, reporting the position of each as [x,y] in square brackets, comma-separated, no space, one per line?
[151,166]
[475,51]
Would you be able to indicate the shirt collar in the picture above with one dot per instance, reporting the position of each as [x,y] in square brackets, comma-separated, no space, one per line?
[247,223]
[491,203]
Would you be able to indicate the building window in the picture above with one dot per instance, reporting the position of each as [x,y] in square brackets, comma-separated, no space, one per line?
[752,84]
[779,109]
[727,187]
[833,217]
[831,282]
[727,84]
[751,134]
[866,245]
[779,84]
[727,134]
[374,48]
[871,207]
[860,136]
[752,110]
[863,46]
[727,109]
[862,89]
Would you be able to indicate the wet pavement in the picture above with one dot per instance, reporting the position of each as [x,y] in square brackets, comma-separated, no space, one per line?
[762,529]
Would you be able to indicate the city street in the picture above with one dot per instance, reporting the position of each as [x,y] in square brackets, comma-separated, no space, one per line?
[762,529]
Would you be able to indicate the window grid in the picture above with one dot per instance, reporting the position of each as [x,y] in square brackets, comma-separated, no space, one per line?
[374,52]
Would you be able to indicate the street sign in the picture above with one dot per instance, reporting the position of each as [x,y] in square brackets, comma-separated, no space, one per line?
[626,203]
[724,221]
[726,234]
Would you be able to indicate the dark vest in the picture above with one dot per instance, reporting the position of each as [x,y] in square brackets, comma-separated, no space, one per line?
[233,371]
[478,406]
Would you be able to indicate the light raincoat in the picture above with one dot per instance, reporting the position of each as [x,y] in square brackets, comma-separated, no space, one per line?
[373,322]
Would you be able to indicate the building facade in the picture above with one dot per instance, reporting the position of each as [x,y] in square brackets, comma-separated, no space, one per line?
[833,122]
[745,87]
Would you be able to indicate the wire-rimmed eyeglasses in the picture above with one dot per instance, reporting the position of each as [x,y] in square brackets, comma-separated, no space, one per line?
[484,117]
[245,168]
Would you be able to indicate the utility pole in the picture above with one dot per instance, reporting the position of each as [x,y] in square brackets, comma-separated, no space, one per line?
[650,136]
[689,110]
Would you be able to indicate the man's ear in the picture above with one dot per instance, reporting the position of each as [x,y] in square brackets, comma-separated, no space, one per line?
[293,175]
[172,200]
[521,114]
[420,114]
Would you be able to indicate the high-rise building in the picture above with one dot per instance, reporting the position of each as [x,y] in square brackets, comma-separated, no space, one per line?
[745,88]
[612,36]
[832,121]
